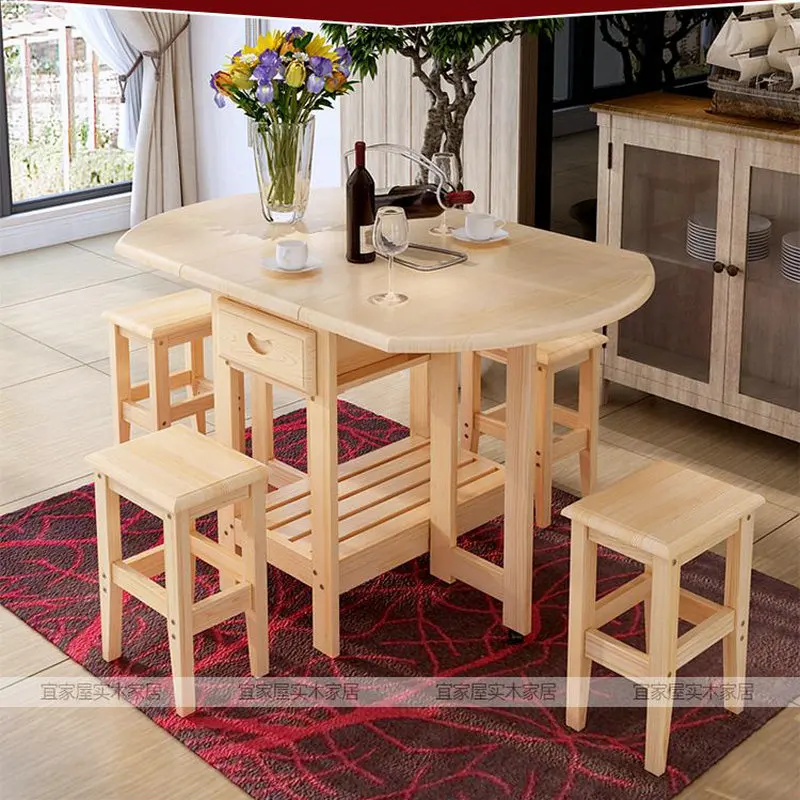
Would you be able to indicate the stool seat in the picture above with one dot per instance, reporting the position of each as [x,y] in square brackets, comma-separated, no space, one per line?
[665,510]
[170,315]
[175,469]
[556,351]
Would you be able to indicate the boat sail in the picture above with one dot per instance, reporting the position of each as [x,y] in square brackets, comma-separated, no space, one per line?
[761,45]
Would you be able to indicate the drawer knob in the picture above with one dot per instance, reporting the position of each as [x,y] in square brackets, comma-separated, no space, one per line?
[260,346]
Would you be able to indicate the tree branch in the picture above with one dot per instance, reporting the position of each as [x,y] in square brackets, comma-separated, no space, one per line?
[509,37]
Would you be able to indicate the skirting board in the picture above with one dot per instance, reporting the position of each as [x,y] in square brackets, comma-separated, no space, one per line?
[67,223]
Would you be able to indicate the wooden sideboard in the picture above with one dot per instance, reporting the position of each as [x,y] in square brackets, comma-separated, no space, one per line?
[722,336]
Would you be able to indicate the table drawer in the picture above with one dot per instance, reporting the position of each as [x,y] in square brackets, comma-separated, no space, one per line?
[260,343]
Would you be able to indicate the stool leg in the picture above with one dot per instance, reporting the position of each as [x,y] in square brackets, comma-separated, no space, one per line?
[197,367]
[254,555]
[582,595]
[120,382]
[180,599]
[419,402]
[663,656]
[158,358]
[109,551]
[738,566]
[543,484]
[589,415]
[261,431]
[648,604]
[229,425]
[470,400]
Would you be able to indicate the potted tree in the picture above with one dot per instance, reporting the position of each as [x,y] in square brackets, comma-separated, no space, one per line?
[444,58]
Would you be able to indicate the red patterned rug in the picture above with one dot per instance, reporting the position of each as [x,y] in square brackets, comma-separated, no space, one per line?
[403,624]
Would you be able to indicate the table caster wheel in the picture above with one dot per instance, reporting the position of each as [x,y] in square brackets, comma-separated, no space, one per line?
[515,638]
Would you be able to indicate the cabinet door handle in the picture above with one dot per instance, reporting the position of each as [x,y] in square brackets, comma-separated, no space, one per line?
[732,270]
[718,266]
[261,346]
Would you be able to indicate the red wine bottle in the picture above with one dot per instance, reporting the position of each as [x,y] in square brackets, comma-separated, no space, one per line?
[360,211]
[421,200]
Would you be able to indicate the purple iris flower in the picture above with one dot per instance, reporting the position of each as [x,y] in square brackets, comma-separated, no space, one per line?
[345,61]
[295,33]
[269,67]
[264,93]
[321,67]
[315,84]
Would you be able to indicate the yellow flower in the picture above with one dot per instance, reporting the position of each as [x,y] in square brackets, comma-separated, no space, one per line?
[271,40]
[240,72]
[319,47]
[295,74]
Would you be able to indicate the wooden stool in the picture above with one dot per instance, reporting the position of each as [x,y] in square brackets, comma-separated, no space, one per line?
[663,516]
[168,321]
[552,357]
[180,475]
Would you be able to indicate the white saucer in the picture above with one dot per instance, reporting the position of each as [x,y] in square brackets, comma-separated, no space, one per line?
[461,235]
[272,265]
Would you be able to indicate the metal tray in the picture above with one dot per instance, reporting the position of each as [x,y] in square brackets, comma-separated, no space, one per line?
[430,258]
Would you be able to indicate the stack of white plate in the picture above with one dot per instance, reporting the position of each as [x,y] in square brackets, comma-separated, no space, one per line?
[701,237]
[790,256]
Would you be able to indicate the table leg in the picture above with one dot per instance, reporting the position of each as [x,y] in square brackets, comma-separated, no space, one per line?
[521,381]
[443,377]
[322,473]
[419,401]
[261,425]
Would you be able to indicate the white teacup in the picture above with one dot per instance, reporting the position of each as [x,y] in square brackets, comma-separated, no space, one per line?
[482,226]
[291,254]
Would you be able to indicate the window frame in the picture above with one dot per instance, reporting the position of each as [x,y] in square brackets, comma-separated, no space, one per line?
[8,207]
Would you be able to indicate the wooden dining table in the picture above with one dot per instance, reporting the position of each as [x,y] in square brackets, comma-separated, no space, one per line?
[340,525]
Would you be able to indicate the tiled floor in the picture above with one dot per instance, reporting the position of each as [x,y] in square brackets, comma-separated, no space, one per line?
[574,178]
[54,409]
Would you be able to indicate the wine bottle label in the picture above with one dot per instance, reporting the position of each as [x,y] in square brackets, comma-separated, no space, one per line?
[365,239]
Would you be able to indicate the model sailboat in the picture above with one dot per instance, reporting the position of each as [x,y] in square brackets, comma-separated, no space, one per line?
[761,46]
[755,63]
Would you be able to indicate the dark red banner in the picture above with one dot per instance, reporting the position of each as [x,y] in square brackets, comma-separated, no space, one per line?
[409,12]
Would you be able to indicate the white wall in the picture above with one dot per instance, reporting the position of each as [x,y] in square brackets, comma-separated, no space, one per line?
[224,161]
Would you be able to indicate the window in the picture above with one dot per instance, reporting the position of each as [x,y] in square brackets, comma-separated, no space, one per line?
[59,113]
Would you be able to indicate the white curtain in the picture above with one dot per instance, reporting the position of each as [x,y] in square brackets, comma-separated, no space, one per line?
[100,31]
[164,167]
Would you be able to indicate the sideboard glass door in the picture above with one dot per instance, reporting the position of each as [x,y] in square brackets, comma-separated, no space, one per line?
[765,294]
[669,207]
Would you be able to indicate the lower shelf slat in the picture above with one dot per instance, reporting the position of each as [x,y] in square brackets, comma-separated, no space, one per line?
[383,511]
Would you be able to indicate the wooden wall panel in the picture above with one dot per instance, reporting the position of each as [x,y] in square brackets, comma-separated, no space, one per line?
[477,150]
[398,96]
[504,137]
[393,108]
[378,114]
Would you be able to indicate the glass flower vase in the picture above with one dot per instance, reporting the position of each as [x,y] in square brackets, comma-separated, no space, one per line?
[283,153]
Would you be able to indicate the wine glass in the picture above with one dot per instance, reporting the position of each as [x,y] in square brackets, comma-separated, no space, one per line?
[448,164]
[390,238]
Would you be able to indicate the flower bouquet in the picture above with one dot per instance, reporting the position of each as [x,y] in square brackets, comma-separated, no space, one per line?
[279,84]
